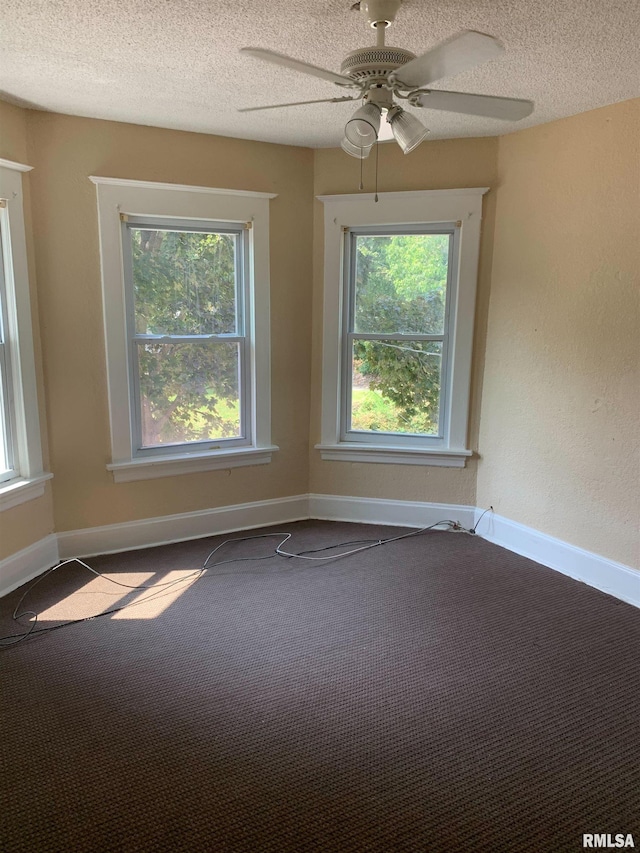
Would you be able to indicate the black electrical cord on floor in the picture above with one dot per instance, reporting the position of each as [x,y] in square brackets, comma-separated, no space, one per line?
[12,639]
[475,526]
[197,574]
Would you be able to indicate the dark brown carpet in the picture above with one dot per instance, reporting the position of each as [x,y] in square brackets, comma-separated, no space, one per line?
[436,694]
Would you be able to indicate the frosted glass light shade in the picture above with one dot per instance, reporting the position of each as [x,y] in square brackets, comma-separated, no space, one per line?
[355,150]
[362,128]
[407,130]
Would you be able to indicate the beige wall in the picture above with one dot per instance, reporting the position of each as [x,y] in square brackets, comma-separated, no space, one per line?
[25,524]
[13,133]
[434,165]
[65,151]
[560,405]
[554,406]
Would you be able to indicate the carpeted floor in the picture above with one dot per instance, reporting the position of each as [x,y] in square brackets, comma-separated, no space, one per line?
[434,694]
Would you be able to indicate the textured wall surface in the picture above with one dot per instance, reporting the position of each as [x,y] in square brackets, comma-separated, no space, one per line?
[561,404]
[65,152]
[22,525]
[554,406]
[434,165]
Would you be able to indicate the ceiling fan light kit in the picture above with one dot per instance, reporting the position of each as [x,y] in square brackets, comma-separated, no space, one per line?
[381,73]
[363,127]
[408,131]
[355,150]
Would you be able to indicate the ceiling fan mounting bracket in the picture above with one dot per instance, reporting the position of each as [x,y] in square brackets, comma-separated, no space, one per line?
[380,12]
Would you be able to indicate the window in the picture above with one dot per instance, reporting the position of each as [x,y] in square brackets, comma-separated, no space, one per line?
[397,332]
[7,470]
[185,274]
[21,474]
[188,349]
[400,281]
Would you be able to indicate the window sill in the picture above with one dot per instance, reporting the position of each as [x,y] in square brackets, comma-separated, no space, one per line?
[352,452]
[150,468]
[21,490]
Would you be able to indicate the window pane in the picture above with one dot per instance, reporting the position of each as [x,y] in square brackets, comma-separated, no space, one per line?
[184,283]
[5,448]
[5,462]
[189,392]
[396,386]
[401,283]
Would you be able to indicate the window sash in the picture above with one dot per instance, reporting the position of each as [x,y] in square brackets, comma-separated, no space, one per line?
[7,469]
[346,432]
[138,450]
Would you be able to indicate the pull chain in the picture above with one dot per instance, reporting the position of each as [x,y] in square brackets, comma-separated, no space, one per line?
[361,159]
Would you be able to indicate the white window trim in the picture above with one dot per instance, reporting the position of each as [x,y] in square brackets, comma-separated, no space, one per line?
[118,196]
[22,489]
[462,206]
[30,479]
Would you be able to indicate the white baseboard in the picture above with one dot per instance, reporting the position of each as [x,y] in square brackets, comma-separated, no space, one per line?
[28,563]
[379,511]
[606,575]
[130,535]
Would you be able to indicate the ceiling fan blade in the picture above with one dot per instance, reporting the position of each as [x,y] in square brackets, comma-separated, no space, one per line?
[297,65]
[459,53]
[508,109]
[300,103]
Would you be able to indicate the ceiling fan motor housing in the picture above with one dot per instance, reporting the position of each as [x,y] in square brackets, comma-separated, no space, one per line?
[369,63]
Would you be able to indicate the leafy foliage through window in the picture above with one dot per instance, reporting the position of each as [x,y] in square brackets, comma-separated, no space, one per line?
[187,334]
[397,332]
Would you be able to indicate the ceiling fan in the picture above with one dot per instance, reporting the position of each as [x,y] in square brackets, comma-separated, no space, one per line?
[381,73]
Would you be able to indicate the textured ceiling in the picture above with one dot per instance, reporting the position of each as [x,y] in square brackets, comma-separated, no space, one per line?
[175,63]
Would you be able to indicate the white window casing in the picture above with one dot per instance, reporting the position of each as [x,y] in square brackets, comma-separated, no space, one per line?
[457,209]
[120,198]
[25,479]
